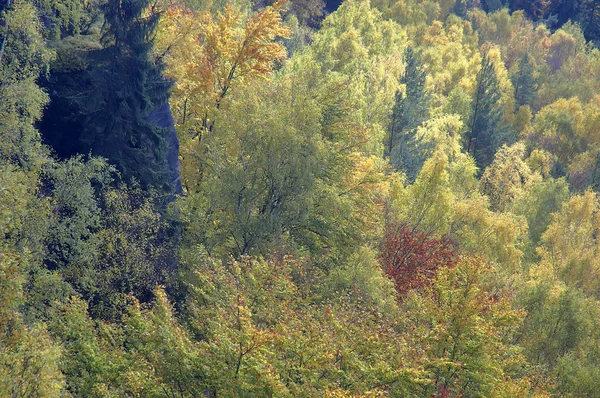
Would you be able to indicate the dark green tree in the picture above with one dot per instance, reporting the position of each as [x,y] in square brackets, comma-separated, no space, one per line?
[410,110]
[101,103]
[309,12]
[460,8]
[107,243]
[125,86]
[492,5]
[486,134]
[525,83]
[588,17]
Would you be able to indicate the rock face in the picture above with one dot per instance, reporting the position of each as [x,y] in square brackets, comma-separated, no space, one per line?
[161,116]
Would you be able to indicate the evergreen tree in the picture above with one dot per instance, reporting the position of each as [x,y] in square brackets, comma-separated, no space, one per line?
[485,133]
[103,108]
[587,15]
[125,85]
[460,8]
[493,5]
[525,83]
[410,110]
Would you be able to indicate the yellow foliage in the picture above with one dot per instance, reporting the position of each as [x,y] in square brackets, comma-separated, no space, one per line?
[205,54]
[570,248]
[508,177]
[452,58]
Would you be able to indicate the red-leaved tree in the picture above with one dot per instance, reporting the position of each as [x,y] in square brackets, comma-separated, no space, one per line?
[411,258]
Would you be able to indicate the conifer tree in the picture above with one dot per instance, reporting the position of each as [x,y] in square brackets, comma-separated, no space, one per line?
[525,83]
[485,134]
[123,86]
[410,110]
[492,5]
[460,8]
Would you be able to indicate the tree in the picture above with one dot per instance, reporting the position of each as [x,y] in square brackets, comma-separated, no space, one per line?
[507,178]
[29,357]
[566,353]
[537,205]
[207,56]
[460,8]
[279,178]
[126,84]
[103,105]
[538,9]
[426,205]
[467,330]
[491,6]
[412,258]
[64,18]
[560,128]
[107,243]
[524,83]
[485,133]
[269,326]
[409,111]
[451,53]
[569,246]
[24,56]
[308,12]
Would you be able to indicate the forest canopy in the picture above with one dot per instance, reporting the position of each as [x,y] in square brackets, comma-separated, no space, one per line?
[294,199]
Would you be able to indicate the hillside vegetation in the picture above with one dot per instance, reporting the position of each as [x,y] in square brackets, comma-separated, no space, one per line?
[399,198]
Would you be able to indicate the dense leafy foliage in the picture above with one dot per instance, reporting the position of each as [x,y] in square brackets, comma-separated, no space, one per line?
[395,199]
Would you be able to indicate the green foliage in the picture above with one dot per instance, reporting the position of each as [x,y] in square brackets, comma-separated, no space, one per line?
[294,173]
[466,332]
[362,50]
[409,111]
[125,85]
[566,351]
[460,8]
[262,182]
[426,204]
[559,128]
[76,185]
[537,206]
[29,364]
[264,278]
[569,245]
[308,12]
[69,17]
[28,356]
[507,178]
[107,243]
[102,106]
[23,57]
[524,83]
[450,51]
[363,277]
[485,133]
[266,334]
